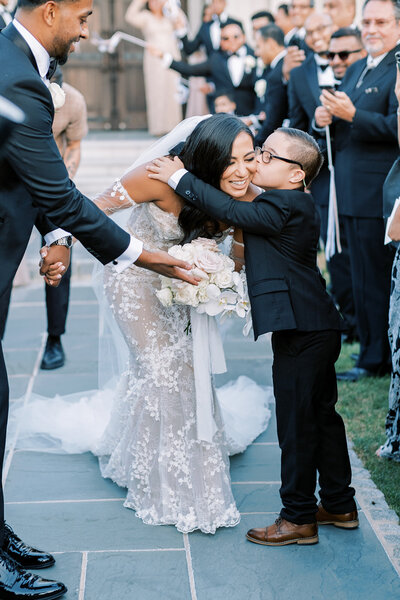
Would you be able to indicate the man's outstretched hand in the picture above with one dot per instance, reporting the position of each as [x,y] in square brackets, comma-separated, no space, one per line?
[163,168]
[54,263]
[165,264]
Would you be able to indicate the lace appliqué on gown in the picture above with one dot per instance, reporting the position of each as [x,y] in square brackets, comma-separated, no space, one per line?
[150,445]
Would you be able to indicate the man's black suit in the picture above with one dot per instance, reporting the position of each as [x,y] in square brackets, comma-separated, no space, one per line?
[276,103]
[365,152]
[216,68]
[202,39]
[288,296]
[34,182]
[304,93]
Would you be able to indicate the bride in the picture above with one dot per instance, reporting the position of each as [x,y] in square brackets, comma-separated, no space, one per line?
[151,445]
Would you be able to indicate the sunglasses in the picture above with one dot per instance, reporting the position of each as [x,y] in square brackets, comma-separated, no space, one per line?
[343,55]
[225,38]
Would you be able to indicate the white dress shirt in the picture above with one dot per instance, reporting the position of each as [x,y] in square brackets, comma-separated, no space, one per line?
[42,58]
[326,78]
[277,58]
[236,65]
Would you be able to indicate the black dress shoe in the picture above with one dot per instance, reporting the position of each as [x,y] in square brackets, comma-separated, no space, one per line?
[17,584]
[54,356]
[355,374]
[25,556]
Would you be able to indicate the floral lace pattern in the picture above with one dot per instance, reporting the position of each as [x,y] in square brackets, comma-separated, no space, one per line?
[150,445]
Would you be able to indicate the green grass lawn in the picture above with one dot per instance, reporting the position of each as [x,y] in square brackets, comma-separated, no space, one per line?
[363,406]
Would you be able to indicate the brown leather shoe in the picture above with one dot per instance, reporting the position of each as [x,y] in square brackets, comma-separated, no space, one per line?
[345,521]
[283,532]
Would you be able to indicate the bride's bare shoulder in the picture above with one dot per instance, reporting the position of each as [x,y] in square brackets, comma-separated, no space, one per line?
[143,189]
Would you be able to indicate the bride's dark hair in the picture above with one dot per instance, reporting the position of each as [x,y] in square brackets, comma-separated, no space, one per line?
[207,153]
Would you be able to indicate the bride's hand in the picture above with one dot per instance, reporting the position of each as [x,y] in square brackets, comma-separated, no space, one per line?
[163,168]
[165,264]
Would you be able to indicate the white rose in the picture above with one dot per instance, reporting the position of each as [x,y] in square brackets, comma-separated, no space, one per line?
[202,291]
[206,244]
[260,88]
[186,294]
[224,279]
[165,296]
[57,95]
[209,261]
[182,253]
[250,63]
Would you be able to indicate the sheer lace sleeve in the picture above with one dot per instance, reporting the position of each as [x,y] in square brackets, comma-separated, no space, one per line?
[113,199]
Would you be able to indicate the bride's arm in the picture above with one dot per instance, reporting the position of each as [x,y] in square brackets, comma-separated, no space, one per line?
[135,188]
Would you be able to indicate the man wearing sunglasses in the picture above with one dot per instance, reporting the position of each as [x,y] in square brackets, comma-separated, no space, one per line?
[365,130]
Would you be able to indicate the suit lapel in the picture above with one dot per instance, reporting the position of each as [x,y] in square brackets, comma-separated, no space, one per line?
[310,68]
[372,77]
[14,36]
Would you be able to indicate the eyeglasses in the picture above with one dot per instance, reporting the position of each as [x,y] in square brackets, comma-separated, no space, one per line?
[343,55]
[267,155]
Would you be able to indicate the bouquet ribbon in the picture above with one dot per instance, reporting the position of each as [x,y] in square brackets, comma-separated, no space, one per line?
[208,358]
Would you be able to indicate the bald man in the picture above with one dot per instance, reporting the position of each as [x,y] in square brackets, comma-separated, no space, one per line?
[342,12]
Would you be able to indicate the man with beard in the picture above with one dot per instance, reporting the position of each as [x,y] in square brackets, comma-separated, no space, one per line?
[366,146]
[35,186]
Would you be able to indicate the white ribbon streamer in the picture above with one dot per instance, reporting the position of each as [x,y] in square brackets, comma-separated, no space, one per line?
[333,244]
[208,357]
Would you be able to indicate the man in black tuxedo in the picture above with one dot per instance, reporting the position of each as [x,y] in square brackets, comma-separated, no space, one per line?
[35,188]
[230,68]
[366,147]
[271,49]
[209,34]
[288,297]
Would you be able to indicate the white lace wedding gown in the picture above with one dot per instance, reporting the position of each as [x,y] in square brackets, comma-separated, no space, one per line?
[150,444]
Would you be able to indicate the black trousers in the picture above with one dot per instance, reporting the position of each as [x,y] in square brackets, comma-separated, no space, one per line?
[4,306]
[339,268]
[371,266]
[311,433]
[57,303]
[4,395]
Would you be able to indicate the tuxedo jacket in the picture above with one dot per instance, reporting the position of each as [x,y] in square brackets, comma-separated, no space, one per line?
[34,183]
[281,232]
[202,39]
[367,147]
[216,68]
[275,105]
[303,95]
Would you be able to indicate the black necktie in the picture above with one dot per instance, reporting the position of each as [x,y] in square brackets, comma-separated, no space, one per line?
[52,68]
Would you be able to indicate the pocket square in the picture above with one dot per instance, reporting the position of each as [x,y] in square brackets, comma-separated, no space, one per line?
[372,90]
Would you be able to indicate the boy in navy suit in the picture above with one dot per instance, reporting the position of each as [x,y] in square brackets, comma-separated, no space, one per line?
[288,297]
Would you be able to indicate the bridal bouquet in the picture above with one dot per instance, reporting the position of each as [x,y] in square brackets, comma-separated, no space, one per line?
[221,291]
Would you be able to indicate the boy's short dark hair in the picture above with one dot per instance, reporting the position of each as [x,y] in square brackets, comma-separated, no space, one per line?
[305,150]
[227,93]
[232,22]
[263,13]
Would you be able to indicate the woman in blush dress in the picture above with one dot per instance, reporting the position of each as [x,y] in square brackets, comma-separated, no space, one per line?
[161,85]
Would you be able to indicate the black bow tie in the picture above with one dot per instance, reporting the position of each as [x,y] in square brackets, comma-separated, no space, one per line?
[323,67]
[52,68]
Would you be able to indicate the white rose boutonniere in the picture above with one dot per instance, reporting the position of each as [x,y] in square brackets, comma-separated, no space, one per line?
[57,95]
[260,88]
[249,63]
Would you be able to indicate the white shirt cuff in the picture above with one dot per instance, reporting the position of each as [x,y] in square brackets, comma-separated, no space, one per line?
[167,60]
[55,235]
[176,177]
[131,254]
[181,33]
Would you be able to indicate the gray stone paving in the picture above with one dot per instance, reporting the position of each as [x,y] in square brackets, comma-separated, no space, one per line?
[61,503]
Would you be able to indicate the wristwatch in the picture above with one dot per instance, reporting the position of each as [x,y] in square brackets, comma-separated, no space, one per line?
[64,241]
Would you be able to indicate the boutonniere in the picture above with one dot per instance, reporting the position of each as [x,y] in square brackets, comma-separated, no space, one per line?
[260,88]
[372,90]
[249,63]
[57,95]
